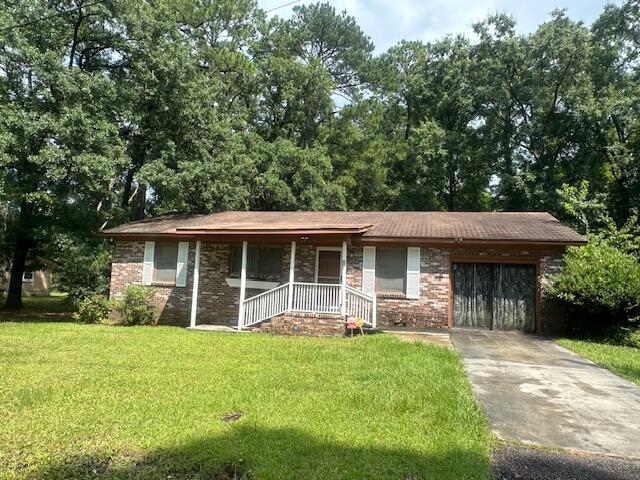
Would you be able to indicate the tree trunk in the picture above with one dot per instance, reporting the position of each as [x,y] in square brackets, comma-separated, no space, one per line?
[141,202]
[126,191]
[14,295]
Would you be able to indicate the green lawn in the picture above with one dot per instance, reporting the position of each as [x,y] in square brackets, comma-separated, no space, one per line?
[54,308]
[81,401]
[623,360]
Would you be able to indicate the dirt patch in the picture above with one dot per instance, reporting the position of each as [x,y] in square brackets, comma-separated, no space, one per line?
[441,339]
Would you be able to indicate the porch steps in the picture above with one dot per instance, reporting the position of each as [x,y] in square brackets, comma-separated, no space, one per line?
[306,324]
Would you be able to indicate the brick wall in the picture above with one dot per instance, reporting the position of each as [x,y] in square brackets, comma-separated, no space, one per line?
[218,302]
[307,324]
[432,308]
[172,303]
[395,309]
[554,315]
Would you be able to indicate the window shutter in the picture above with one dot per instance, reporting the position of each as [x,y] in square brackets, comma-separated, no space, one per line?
[181,266]
[368,269]
[147,267]
[413,272]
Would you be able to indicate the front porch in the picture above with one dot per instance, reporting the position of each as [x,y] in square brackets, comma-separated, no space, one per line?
[331,301]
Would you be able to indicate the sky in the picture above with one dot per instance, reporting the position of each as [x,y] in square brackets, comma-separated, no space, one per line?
[389,21]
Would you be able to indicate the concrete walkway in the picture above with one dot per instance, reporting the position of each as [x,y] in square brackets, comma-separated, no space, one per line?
[537,392]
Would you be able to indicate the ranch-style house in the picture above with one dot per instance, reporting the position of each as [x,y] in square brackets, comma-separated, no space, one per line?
[309,272]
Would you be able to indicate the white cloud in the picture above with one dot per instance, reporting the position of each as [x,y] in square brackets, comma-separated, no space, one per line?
[389,21]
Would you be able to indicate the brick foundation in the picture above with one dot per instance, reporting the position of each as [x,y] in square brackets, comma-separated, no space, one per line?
[218,302]
[306,324]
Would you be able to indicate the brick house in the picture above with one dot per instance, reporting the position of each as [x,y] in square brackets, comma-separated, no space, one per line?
[306,272]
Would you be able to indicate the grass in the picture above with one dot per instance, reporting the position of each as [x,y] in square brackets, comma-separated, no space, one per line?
[81,401]
[54,308]
[623,360]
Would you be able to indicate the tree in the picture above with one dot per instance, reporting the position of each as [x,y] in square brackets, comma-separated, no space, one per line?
[59,150]
[316,33]
[615,115]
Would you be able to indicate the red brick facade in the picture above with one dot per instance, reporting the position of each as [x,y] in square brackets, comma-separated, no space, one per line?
[218,302]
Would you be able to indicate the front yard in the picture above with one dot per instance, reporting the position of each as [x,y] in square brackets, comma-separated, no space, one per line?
[622,360]
[161,402]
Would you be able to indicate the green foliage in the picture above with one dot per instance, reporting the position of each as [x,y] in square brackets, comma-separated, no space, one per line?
[82,269]
[120,110]
[589,214]
[93,309]
[585,212]
[335,40]
[601,281]
[136,306]
[622,358]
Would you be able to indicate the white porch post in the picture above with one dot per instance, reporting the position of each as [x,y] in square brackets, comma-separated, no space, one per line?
[196,281]
[343,278]
[243,284]
[373,315]
[292,270]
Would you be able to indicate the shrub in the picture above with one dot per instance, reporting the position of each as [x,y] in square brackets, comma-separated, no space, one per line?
[136,306]
[94,309]
[601,281]
[82,270]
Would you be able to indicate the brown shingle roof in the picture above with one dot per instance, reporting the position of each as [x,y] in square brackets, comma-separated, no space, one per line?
[477,226]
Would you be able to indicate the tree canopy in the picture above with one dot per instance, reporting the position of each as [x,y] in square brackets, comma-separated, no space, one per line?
[112,110]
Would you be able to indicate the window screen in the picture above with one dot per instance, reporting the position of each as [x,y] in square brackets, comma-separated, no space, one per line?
[391,269]
[164,262]
[263,263]
[269,261]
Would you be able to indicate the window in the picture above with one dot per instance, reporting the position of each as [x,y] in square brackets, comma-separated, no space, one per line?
[27,276]
[165,259]
[263,263]
[391,270]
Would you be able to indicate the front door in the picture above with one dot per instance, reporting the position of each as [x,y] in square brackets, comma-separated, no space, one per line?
[328,267]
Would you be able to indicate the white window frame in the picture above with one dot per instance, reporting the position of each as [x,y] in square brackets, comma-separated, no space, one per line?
[155,253]
[325,249]
[29,280]
[375,277]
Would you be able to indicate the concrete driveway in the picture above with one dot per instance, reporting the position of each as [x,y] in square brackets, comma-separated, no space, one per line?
[535,391]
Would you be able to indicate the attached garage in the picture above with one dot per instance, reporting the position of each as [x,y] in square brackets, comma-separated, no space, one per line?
[496,296]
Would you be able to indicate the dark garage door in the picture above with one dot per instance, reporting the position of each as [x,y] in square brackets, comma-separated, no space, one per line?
[494,295]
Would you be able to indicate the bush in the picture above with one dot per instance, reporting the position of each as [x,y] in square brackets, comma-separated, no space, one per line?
[600,281]
[82,270]
[136,306]
[94,309]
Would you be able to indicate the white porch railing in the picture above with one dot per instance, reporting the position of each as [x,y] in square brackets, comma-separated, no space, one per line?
[309,298]
[361,305]
[316,297]
[265,305]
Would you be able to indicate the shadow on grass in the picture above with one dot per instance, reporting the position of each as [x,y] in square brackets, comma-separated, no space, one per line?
[248,453]
[55,308]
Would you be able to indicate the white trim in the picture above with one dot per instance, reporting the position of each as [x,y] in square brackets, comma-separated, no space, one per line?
[343,278]
[324,249]
[412,287]
[182,261]
[369,270]
[234,282]
[292,273]
[148,262]
[29,280]
[243,284]
[196,281]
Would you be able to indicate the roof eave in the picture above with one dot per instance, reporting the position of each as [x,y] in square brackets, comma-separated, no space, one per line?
[472,241]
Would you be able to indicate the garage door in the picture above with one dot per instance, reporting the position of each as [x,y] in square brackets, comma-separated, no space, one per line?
[494,296]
